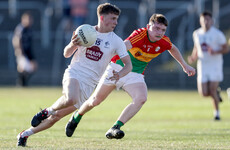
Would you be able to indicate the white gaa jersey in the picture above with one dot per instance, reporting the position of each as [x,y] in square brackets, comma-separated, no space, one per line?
[90,63]
[213,38]
[209,67]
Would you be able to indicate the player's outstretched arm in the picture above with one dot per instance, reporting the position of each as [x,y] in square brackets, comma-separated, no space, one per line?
[128,44]
[193,57]
[175,53]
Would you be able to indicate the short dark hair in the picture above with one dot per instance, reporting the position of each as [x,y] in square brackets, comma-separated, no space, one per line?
[158,18]
[206,13]
[108,8]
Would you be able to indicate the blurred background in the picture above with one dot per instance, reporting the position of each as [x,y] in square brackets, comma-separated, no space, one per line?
[54,21]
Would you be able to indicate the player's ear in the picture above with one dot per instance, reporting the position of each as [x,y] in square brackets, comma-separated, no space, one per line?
[101,17]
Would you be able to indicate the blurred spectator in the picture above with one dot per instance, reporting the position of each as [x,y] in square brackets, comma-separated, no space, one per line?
[22,43]
[66,8]
[209,46]
[75,13]
[78,11]
[67,17]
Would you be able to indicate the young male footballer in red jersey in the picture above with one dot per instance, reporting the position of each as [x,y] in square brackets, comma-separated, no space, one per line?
[143,45]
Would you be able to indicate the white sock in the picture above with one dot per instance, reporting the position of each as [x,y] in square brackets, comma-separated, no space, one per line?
[217,113]
[27,132]
[50,111]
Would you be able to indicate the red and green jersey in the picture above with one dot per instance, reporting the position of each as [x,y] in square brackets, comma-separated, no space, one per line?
[143,50]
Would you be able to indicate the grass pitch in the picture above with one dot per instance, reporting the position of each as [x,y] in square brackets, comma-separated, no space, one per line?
[168,120]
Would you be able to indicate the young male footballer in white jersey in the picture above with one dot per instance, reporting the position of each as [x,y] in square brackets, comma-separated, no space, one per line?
[209,46]
[85,70]
[143,45]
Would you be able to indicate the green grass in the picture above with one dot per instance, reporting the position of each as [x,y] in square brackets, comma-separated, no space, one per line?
[168,120]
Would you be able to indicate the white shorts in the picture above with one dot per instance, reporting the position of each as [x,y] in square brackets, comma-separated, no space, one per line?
[130,78]
[206,72]
[86,89]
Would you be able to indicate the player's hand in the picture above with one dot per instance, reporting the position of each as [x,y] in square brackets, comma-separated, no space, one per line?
[75,40]
[190,71]
[211,51]
[115,76]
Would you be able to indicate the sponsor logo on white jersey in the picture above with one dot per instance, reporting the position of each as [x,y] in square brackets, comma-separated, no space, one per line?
[94,53]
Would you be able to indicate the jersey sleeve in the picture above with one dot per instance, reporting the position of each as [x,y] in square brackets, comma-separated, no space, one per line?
[168,43]
[194,36]
[132,35]
[121,48]
[136,35]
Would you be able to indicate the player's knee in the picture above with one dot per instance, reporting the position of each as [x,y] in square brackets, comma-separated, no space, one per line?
[213,91]
[54,118]
[71,100]
[96,101]
[58,115]
[141,100]
[205,94]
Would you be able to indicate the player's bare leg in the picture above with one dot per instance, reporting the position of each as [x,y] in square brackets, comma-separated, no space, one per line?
[213,93]
[203,89]
[138,93]
[210,89]
[70,97]
[100,94]
[52,119]
[47,123]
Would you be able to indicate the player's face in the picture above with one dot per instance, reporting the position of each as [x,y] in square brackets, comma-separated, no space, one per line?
[110,22]
[156,31]
[27,20]
[206,22]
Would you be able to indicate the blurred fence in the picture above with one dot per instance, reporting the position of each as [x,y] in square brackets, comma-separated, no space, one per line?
[51,36]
